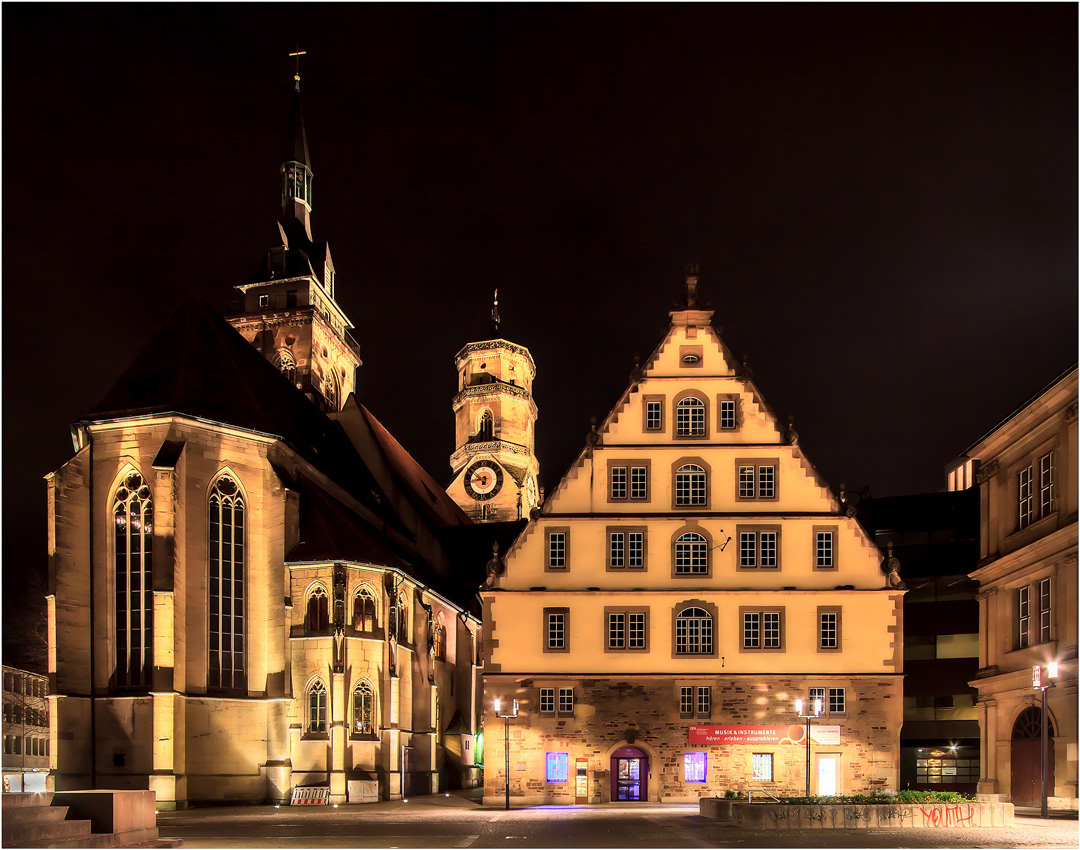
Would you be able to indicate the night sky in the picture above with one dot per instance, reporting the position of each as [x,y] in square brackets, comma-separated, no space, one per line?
[883,201]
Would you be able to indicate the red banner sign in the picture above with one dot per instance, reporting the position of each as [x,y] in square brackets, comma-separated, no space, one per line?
[701,736]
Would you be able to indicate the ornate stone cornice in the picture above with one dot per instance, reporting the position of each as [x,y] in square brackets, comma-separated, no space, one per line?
[495,343]
[493,447]
[490,389]
[986,471]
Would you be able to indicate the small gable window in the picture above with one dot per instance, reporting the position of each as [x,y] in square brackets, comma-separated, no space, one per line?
[690,417]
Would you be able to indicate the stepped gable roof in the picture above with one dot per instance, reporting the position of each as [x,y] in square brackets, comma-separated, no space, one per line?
[199,365]
[425,494]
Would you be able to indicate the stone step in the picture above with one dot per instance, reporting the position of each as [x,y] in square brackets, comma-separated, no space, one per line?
[21,834]
[27,798]
[101,839]
[33,814]
[161,842]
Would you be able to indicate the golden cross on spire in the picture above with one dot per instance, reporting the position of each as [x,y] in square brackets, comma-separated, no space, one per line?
[298,54]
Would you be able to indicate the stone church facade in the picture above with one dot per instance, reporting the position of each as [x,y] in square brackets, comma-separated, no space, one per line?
[689,579]
[252,585]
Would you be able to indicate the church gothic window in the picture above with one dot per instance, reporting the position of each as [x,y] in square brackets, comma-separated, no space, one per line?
[318,611]
[133,514]
[287,364]
[438,639]
[364,611]
[330,391]
[363,709]
[317,708]
[226,586]
[487,427]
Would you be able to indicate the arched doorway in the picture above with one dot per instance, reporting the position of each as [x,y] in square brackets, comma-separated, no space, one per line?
[629,775]
[1026,758]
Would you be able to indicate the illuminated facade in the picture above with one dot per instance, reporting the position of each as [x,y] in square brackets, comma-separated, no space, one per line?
[1027,579]
[691,572]
[26,730]
[249,589]
[495,466]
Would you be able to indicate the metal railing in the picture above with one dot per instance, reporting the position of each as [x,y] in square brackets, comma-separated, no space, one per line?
[750,795]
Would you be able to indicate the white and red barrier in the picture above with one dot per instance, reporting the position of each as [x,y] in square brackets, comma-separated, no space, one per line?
[310,795]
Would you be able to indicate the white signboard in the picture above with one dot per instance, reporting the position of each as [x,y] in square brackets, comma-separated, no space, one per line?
[828,736]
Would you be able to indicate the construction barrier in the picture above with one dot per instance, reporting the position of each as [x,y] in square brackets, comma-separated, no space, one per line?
[310,795]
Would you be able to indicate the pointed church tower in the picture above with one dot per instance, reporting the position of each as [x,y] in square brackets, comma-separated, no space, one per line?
[495,465]
[289,312]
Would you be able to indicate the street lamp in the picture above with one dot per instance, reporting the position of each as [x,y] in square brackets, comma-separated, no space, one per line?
[807,717]
[512,711]
[1038,684]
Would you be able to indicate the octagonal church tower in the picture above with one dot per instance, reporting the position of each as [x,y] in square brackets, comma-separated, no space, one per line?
[494,461]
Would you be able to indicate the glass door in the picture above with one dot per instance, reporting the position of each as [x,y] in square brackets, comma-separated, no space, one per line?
[628,778]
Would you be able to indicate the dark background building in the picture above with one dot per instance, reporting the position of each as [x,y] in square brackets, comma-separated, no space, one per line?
[935,536]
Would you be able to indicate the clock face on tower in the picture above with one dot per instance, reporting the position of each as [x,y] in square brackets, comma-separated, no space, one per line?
[483,479]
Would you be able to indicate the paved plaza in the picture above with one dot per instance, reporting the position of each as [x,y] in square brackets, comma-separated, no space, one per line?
[459,821]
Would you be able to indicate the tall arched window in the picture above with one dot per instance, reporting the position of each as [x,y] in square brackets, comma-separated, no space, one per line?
[318,611]
[690,417]
[363,709]
[226,590]
[693,632]
[364,611]
[691,554]
[330,390]
[403,619]
[486,432]
[133,513]
[691,486]
[438,639]
[317,707]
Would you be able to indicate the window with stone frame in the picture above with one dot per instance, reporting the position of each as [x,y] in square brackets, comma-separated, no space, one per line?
[816,695]
[762,629]
[133,535]
[1045,610]
[759,548]
[363,709]
[316,724]
[626,630]
[824,549]
[318,611]
[837,701]
[756,480]
[227,586]
[555,630]
[547,700]
[691,554]
[364,616]
[690,417]
[691,486]
[762,767]
[829,628]
[566,701]
[1023,597]
[557,540]
[693,632]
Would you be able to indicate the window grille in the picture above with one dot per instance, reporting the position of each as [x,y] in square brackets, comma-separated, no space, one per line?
[823,557]
[747,549]
[751,631]
[767,540]
[690,418]
[690,485]
[558,767]
[691,554]
[556,631]
[364,611]
[828,629]
[318,611]
[693,632]
[816,694]
[727,414]
[770,630]
[636,630]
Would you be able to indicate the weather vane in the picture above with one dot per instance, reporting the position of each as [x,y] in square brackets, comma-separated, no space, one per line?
[495,313]
[298,54]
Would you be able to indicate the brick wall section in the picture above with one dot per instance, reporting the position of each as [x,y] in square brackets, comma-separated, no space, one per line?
[606,709]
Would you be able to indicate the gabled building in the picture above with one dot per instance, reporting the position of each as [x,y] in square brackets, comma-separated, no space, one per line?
[252,585]
[690,578]
[1027,580]
[26,730]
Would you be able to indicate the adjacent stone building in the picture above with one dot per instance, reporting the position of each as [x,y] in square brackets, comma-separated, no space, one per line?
[252,585]
[26,730]
[1027,579]
[690,578]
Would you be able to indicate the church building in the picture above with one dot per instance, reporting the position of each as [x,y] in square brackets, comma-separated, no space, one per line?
[688,592]
[253,587]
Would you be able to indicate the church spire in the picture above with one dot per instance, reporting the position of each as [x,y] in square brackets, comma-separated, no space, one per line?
[296,175]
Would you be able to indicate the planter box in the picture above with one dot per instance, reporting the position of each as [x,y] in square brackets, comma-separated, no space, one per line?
[774,816]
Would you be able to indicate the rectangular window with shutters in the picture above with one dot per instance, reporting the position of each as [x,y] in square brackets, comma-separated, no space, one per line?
[547,700]
[1046,484]
[1024,621]
[1044,610]
[694,767]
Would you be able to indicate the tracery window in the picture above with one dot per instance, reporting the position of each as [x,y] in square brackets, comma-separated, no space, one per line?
[330,391]
[438,635]
[226,586]
[317,707]
[690,417]
[364,619]
[693,632]
[287,364]
[318,611]
[486,432]
[363,709]
[133,515]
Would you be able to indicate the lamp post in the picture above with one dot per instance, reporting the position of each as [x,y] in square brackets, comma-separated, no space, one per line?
[807,717]
[511,711]
[1038,684]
